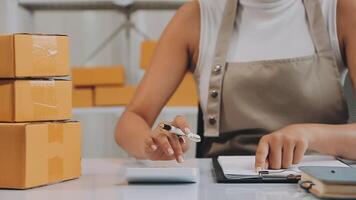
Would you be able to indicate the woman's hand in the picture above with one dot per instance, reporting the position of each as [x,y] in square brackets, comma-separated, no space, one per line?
[284,147]
[162,145]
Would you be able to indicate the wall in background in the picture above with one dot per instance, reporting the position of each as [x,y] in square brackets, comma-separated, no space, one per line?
[14,18]
[88,29]
[3,17]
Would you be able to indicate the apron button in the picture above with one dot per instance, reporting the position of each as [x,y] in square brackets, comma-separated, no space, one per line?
[214,93]
[212,120]
[217,69]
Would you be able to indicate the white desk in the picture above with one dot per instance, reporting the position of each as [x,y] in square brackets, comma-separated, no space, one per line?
[103,179]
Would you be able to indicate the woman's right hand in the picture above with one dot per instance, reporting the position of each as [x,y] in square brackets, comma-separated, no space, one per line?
[162,145]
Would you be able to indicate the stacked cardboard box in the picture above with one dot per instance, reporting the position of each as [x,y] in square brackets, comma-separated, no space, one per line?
[147,50]
[98,86]
[83,97]
[105,85]
[114,95]
[186,94]
[38,143]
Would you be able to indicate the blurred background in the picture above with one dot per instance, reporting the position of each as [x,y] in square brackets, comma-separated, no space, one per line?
[114,35]
[118,36]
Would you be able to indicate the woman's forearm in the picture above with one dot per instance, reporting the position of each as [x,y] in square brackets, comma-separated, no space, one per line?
[337,140]
[131,132]
[176,51]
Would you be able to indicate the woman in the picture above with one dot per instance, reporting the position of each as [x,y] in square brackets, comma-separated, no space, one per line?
[268,68]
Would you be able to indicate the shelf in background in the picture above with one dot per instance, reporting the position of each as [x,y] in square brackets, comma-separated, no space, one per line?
[101,5]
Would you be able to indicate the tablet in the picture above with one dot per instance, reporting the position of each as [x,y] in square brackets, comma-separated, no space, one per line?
[162,172]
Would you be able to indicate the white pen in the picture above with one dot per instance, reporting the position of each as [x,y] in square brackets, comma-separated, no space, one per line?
[172,129]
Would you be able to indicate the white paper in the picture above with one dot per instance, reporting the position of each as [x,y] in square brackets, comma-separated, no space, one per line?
[245,165]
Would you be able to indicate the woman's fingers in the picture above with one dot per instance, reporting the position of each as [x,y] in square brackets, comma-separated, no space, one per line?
[182,140]
[300,149]
[287,153]
[261,154]
[164,144]
[282,148]
[181,123]
[275,152]
[280,153]
[152,150]
[181,145]
[150,145]
[185,144]
[178,152]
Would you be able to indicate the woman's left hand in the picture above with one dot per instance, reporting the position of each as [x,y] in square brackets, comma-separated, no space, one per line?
[283,148]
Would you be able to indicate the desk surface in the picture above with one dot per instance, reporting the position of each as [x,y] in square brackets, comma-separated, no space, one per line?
[104,179]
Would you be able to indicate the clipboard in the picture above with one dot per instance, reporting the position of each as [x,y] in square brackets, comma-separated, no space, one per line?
[291,175]
[221,178]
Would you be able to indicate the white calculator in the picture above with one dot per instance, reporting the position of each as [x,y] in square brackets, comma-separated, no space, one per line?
[162,172]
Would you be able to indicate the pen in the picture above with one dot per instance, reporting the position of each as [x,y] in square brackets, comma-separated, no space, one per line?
[172,129]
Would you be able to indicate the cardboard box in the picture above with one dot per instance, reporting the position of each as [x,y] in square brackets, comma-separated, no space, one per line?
[35,100]
[147,50]
[83,97]
[36,154]
[26,55]
[186,94]
[113,95]
[94,76]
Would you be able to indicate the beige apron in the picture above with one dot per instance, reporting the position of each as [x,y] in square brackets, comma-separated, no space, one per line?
[250,99]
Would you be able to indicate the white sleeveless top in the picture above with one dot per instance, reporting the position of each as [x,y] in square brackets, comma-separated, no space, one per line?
[267,30]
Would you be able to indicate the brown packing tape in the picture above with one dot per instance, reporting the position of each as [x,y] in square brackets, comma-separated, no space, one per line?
[55,133]
[55,169]
[43,48]
[43,94]
[55,160]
